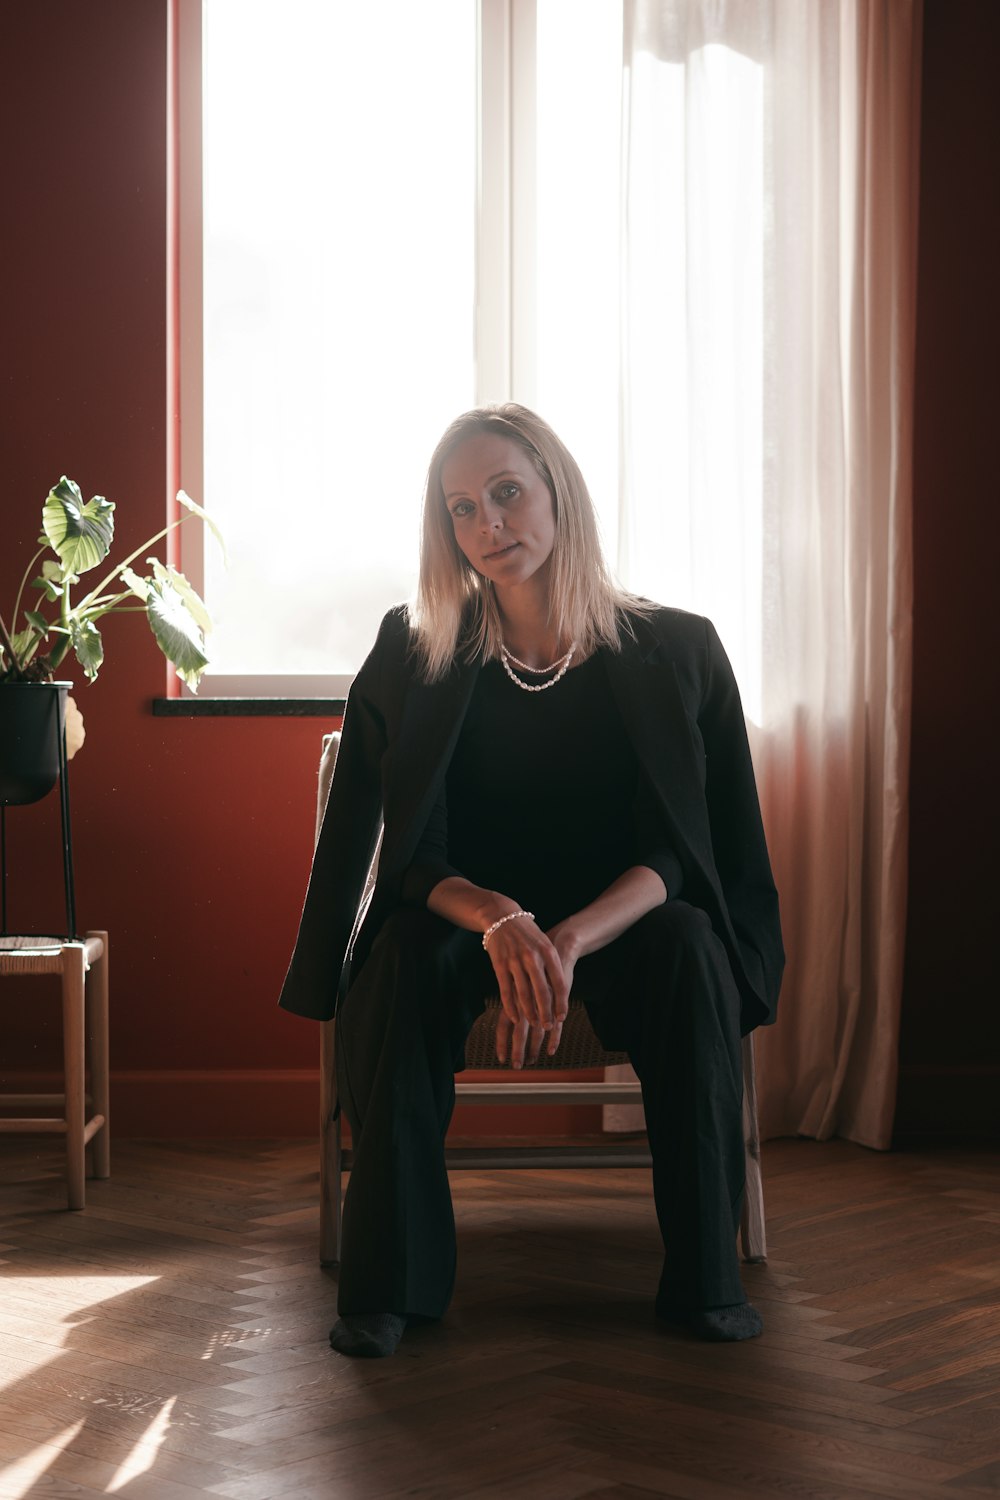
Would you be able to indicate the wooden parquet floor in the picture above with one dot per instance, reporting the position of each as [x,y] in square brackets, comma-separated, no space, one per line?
[170,1341]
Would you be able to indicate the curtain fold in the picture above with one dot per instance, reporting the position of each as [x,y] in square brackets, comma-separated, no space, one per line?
[769,203]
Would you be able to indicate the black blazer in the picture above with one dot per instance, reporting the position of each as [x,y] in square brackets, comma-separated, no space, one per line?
[681,708]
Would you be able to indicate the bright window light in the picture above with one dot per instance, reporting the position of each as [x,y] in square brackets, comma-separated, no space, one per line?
[692,505]
[409,208]
[578,132]
[339,183]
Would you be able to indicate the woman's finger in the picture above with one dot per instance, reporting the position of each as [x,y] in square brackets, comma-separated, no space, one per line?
[541,991]
[560,986]
[524,998]
[508,995]
[536,1037]
[518,1039]
[519,1042]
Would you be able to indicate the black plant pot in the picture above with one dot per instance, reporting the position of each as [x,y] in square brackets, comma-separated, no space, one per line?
[32,716]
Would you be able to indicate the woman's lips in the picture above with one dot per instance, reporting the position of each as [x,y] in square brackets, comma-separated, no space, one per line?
[501,551]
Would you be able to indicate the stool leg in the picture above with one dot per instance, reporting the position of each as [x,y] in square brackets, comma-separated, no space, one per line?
[74,968]
[97,1026]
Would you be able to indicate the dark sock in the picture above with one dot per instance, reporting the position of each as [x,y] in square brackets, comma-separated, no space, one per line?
[720,1325]
[367,1335]
[728,1324]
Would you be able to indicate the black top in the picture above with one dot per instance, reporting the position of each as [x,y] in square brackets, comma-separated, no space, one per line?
[544,799]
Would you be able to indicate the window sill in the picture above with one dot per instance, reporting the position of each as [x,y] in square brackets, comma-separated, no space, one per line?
[248,708]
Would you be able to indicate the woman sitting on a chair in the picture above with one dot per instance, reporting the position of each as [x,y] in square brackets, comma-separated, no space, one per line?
[569,806]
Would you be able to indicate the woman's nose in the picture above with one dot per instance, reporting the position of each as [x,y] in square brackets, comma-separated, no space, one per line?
[491,518]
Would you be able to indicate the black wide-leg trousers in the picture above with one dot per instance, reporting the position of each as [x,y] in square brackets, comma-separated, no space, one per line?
[664,992]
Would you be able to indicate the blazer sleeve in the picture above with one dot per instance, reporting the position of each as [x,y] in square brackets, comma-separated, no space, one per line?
[347,840]
[651,848]
[429,865]
[738,843]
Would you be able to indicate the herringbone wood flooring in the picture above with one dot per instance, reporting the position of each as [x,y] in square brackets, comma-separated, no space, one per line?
[171,1340]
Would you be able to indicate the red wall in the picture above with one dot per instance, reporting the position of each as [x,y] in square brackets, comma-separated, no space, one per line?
[193,834]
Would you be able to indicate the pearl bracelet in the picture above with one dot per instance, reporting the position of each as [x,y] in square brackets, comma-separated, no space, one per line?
[508,918]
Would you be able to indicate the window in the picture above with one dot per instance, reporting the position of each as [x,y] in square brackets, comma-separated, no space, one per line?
[386,215]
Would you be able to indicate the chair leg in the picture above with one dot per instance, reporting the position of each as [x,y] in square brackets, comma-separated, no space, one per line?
[753,1233]
[73,981]
[337,1190]
[97,1028]
[329,1152]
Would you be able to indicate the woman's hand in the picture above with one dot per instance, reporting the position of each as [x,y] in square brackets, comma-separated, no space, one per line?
[519,1039]
[534,969]
[534,991]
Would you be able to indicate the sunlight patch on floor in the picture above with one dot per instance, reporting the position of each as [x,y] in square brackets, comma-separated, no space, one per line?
[143,1455]
[79,1299]
[19,1478]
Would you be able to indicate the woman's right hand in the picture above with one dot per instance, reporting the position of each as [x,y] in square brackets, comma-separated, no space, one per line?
[534,990]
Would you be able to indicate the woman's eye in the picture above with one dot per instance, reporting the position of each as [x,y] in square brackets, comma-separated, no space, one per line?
[463,508]
[507,491]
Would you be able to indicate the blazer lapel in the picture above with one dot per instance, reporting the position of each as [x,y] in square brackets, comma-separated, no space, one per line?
[645,686]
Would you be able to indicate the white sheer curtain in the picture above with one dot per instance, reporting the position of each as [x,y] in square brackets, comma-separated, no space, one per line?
[769,232]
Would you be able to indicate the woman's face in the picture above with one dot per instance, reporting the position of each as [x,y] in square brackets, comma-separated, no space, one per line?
[501,509]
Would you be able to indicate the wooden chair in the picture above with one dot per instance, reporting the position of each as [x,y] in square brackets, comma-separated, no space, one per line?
[580,1049]
[82,966]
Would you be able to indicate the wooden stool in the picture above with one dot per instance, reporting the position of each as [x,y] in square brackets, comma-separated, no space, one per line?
[83,967]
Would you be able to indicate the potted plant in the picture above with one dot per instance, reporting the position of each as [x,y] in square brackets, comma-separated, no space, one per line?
[80,536]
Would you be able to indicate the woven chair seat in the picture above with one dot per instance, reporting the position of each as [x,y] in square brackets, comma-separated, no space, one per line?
[43,955]
[579,1047]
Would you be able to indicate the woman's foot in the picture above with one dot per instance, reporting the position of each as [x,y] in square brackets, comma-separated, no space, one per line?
[720,1325]
[367,1335]
[727,1325]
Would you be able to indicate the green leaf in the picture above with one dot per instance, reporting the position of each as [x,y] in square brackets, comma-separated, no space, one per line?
[190,595]
[177,632]
[80,535]
[139,586]
[51,590]
[52,571]
[37,621]
[183,498]
[89,648]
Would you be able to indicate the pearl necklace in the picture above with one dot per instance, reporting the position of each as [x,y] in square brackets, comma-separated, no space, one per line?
[536,687]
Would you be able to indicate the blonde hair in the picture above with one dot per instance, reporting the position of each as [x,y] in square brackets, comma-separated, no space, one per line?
[455,612]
